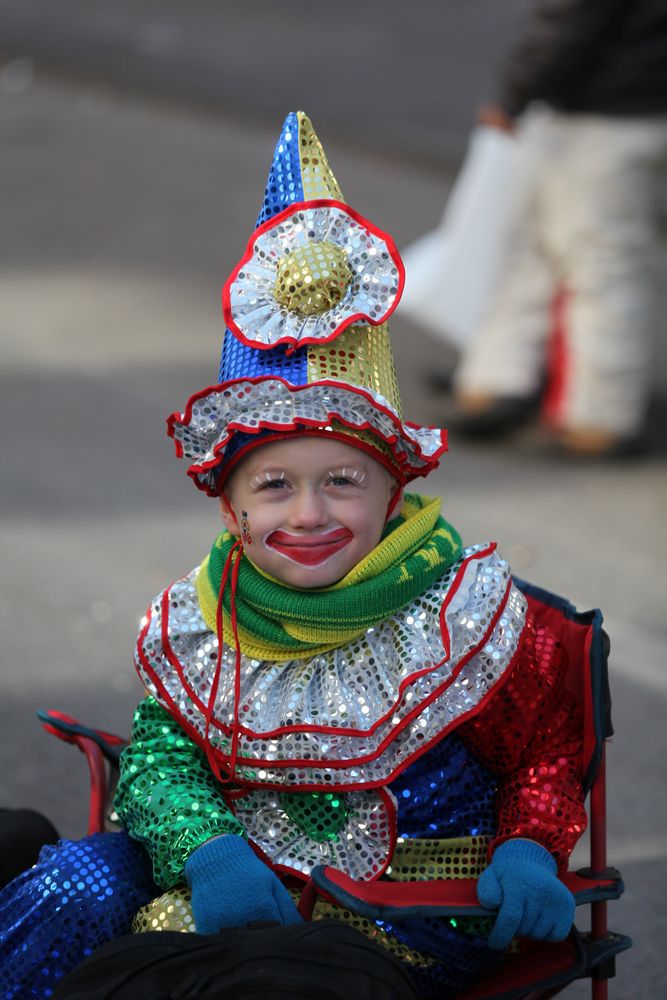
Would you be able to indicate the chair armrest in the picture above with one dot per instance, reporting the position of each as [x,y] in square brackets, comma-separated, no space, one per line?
[384,900]
[96,745]
[72,731]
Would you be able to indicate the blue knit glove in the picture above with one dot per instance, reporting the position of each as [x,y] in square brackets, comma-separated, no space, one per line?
[231,887]
[521,883]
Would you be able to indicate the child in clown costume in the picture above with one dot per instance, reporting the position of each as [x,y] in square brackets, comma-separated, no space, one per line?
[340,682]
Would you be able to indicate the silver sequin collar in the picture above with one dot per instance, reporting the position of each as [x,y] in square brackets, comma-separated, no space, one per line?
[353,717]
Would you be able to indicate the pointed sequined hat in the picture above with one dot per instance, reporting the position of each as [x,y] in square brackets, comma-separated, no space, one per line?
[306,346]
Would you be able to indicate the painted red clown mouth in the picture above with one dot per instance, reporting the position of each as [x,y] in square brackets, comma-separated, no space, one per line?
[309,550]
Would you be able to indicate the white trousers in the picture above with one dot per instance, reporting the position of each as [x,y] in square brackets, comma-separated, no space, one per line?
[592,228]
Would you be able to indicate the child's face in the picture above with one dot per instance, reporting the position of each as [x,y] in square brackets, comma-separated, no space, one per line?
[308,509]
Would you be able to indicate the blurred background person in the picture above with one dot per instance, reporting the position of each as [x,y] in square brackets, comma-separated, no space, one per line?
[585,90]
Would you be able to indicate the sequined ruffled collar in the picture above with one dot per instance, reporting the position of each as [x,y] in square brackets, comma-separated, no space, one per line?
[357,715]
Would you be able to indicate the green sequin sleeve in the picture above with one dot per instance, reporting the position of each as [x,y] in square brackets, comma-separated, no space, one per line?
[167,797]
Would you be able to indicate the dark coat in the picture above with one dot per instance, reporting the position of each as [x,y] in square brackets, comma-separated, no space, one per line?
[597,56]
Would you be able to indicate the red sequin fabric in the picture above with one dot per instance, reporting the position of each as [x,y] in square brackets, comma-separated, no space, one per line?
[530,734]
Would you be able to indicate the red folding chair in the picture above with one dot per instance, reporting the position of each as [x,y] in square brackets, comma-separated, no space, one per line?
[536,971]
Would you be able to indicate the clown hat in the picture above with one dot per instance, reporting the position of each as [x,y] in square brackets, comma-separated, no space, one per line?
[306,347]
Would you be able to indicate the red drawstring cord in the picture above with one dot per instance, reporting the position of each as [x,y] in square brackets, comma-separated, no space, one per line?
[237,666]
[232,562]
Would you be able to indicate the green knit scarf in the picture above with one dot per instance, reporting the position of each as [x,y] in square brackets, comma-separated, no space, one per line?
[276,621]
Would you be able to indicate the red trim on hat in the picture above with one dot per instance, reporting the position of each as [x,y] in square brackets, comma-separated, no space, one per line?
[406,467]
[359,317]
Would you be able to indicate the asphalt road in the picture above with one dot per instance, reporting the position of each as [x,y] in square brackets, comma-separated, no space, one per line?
[377,73]
[121,217]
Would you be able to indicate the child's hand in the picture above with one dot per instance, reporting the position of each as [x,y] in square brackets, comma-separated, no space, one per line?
[521,883]
[231,887]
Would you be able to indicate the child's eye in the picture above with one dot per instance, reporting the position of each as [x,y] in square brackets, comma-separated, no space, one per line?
[274,484]
[340,481]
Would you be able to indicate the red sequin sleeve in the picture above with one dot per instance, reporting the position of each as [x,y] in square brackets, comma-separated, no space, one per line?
[530,734]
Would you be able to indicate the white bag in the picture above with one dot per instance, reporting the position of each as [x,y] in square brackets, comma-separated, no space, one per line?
[451,273]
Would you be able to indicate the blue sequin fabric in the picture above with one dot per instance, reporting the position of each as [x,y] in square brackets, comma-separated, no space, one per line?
[241,361]
[283,187]
[469,959]
[446,793]
[78,895]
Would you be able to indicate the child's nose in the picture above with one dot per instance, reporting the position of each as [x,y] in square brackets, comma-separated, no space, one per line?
[308,510]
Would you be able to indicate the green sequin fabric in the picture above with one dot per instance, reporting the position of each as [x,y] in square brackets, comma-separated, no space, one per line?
[169,800]
[167,797]
[322,815]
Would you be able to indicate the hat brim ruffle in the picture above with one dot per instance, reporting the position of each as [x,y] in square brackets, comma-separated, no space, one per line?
[215,415]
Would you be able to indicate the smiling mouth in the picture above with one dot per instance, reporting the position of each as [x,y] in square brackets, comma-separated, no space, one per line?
[309,550]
